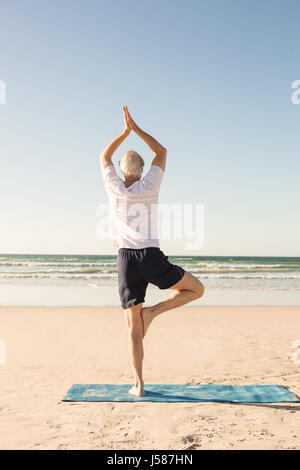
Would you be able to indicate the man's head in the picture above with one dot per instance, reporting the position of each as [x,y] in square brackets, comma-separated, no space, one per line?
[131,164]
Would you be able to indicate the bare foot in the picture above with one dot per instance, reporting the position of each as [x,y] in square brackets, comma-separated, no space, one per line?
[137,391]
[147,314]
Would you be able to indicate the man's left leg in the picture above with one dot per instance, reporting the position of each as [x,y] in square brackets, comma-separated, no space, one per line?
[136,349]
[187,289]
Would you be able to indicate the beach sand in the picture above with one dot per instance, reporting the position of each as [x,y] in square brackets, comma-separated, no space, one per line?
[50,348]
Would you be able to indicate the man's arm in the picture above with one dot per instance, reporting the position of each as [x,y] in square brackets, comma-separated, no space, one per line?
[108,152]
[160,151]
[160,159]
[156,147]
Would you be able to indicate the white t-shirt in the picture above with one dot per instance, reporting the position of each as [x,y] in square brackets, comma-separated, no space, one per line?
[133,213]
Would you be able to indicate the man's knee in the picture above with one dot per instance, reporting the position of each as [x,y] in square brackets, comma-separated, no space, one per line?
[199,290]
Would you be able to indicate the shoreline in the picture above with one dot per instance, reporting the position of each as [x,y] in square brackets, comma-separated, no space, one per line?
[106,296]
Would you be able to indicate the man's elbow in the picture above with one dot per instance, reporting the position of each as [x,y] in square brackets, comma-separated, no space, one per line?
[102,157]
[162,154]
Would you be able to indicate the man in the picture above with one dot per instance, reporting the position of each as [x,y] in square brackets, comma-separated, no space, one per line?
[140,260]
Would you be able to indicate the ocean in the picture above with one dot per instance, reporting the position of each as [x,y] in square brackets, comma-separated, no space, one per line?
[92,279]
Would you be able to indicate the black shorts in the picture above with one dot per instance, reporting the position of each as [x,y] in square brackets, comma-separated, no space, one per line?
[138,267]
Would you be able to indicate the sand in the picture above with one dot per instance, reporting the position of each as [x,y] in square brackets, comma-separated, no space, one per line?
[50,348]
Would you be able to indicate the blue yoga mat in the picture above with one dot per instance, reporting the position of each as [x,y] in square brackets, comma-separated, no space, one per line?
[183,393]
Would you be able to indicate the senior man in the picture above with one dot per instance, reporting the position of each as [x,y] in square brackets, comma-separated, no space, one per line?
[133,202]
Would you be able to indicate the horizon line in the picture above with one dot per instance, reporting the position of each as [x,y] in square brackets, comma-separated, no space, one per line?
[115,254]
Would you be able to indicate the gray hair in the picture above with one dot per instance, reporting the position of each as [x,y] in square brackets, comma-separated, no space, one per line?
[132,164]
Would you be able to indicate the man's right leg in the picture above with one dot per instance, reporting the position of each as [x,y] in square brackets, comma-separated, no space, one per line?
[187,289]
[135,342]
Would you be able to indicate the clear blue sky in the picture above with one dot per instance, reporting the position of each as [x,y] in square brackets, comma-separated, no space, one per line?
[211,80]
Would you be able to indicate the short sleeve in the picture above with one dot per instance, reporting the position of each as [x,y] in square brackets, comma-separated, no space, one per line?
[152,180]
[112,181]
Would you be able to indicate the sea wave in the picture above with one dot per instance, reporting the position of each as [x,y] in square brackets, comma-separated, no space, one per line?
[231,273]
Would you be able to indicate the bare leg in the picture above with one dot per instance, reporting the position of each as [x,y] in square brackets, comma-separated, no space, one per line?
[135,341]
[187,289]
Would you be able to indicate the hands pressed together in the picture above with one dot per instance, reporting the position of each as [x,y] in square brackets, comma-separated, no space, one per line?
[130,125]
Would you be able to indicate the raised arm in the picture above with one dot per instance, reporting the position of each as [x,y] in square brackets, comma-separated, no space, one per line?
[108,152]
[160,151]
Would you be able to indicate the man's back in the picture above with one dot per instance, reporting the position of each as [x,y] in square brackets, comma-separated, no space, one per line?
[133,209]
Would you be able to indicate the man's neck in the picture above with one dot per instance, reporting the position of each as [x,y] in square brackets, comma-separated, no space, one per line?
[129,181]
